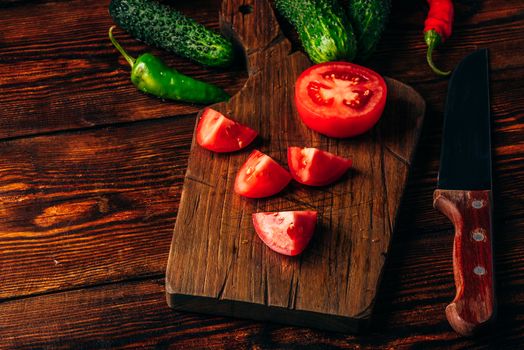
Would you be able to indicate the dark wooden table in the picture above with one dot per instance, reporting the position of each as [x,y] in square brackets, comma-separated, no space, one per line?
[91,173]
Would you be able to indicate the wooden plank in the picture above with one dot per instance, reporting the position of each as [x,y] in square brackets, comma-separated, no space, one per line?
[58,69]
[218,265]
[418,283]
[138,171]
[89,207]
[499,20]
[418,278]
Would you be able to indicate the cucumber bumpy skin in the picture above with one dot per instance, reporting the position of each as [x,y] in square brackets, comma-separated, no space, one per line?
[164,27]
[369,18]
[323,27]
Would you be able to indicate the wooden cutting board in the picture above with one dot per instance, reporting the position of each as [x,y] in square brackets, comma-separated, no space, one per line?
[217,263]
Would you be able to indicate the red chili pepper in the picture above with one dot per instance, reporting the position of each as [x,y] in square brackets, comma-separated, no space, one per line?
[437,28]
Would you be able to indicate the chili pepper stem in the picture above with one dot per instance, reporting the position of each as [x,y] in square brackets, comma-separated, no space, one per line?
[131,60]
[433,39]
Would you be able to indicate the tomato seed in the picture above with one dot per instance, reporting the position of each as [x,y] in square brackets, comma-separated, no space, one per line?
[352,77]
[313,90]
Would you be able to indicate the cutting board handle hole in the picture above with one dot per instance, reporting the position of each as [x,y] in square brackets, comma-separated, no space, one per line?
[245,9]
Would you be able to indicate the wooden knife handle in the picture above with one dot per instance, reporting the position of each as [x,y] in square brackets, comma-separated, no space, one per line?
[470,212]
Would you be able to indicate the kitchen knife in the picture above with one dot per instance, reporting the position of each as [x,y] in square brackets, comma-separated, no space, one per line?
[464,192]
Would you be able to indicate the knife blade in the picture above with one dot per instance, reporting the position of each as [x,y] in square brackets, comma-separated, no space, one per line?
[464,192]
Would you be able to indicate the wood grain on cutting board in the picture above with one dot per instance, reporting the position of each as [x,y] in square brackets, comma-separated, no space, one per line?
[217,264]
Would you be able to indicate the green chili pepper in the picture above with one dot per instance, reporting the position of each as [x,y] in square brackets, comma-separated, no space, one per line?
[151,75]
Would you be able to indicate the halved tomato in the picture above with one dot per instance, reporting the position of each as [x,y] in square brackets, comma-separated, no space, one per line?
[260,176]
[340,99]
[286,232]
[217,133]
[315,167]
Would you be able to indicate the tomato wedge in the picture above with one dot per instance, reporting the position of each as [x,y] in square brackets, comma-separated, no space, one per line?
[217,133]
[260,176]
[340,99]
[286,232]
[314,167]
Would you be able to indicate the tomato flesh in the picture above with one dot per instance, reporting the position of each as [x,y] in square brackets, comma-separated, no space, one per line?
[340,99]
[314,167]
[217,133]
[260,176]
[286,232]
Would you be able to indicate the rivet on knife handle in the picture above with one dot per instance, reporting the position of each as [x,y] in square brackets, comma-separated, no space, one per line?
[470,212]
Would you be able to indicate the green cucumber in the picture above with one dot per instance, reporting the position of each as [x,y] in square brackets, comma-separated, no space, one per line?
[369,19]
[164,27]
[323,28]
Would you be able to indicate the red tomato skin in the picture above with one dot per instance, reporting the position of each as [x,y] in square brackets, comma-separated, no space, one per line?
[261,176]
[338,126]
[322,169]
[281,237]
[222,134]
